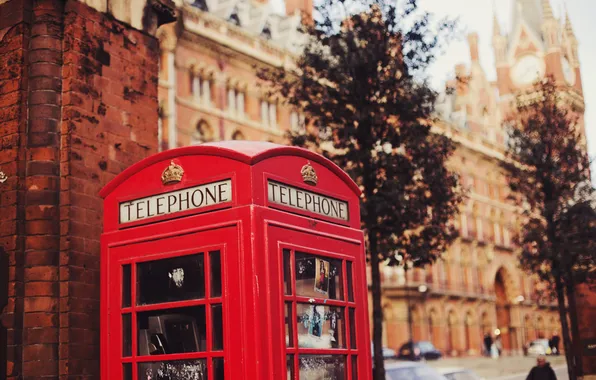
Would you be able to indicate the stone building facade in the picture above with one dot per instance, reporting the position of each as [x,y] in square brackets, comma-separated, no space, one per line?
[209,91]
[90,87]
[208,87]
[78,104]
[478,288]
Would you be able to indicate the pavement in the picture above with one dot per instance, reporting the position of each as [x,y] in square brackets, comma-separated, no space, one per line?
[503,368]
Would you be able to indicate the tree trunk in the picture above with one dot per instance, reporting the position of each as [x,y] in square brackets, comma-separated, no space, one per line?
[379,364]
[575,338]
[565,327]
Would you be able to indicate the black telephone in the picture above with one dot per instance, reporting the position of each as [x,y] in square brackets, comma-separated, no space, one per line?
[168,334]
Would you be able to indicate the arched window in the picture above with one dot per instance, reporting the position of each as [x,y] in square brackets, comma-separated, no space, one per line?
[202,133]
[238,136]
[266,32]
[200,86]
[234,19]
[269,113]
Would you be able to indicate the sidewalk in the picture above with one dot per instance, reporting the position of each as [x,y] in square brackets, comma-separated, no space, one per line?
[505,366]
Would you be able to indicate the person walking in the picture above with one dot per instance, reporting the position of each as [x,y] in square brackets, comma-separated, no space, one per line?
[499,344]
[488,342]
[542,370]
[555,340]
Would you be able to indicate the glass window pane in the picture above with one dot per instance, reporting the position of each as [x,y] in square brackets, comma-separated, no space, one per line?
[320,326]
[127,371]
[126,285]
[350,281]
[289,324]
[218,369]
[318,277]
[354,368]
[215,263]
[352,328]
[126,335]
[328,367]
[217,320]
[172,331]
[175,279]
[287,272]
[173,370]
[290,367]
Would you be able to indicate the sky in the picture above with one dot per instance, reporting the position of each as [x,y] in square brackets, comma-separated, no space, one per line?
[477,16]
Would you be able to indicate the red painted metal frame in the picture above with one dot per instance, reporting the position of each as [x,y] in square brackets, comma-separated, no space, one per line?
[250,235]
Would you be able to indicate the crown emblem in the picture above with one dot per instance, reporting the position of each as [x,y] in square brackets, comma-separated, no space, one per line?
[172,174]
[309,175]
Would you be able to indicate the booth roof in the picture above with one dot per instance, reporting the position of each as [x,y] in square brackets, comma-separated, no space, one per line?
[248,152]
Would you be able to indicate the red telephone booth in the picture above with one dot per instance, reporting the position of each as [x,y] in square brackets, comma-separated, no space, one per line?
[235,260]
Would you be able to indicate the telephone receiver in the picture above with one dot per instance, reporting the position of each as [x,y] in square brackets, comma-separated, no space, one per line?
[158,345]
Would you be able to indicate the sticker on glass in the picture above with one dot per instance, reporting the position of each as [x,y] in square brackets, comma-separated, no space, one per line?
[177,277]
[322,276]
[314,321]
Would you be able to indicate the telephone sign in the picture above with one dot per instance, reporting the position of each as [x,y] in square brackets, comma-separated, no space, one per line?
[233,260]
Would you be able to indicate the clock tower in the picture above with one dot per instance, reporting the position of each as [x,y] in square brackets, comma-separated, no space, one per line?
[538,45]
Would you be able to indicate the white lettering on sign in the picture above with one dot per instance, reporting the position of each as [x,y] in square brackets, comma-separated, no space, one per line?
[282,194]
[176,201]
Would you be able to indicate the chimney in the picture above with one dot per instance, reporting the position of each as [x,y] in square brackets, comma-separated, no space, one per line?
[304,7]
[473,42]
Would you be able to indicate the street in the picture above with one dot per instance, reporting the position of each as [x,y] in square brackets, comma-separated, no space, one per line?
[506,367]
[560,371]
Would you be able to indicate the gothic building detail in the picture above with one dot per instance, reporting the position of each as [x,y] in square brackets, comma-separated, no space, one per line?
[209,87]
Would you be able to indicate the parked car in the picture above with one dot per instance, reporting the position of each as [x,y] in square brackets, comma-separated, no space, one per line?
[411,371]
[388,353]
[539,347]
[418,351]
[455,373]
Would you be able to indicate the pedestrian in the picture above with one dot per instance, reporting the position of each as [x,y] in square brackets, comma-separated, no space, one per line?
[499,345]
[555,342]
[542,370]
[494,351]
[488,342]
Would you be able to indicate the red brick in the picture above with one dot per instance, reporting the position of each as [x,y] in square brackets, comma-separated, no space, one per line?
[42,154]
[49,168]
[42,273]
[42,289]
[43,335]
[45,42]
[40,319]
[41,304]
[41,259]
[39,368]
[44,97]
[42,227]
[41,243]
[45,83]
[7,100]
[41,139]
[45,111]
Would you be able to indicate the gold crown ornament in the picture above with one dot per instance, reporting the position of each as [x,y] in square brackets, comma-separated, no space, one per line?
[172,174]
[309,175]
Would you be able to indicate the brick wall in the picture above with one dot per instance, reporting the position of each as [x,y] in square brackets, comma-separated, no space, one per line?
[78,104]
[586,302]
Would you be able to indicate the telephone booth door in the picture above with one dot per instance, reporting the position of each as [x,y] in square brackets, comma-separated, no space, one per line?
[322,307]
[174,303]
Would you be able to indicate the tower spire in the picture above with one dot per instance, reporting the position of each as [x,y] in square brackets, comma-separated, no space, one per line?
[547,10]
[496,26]
[568,27]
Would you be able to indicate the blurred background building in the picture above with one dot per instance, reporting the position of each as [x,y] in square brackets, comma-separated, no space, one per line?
[208,90]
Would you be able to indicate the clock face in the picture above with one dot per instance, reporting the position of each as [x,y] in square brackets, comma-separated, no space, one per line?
[568,72]
[527,70]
